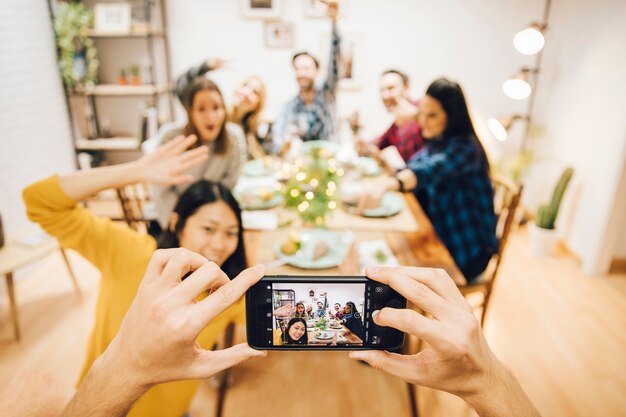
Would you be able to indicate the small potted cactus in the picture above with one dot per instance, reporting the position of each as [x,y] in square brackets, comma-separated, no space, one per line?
[121,77]
[135,78]
[543,235]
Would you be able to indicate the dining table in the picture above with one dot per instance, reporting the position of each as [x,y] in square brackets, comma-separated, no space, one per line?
[285,382]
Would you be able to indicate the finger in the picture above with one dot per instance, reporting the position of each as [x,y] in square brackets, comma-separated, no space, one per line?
[401,366]
[411,322]
[206,277]
[157,263]
[182,262]
[416,292]
[439,281]
[226,295]
[192,159]
[180,179]
[181,146]
[172,144]
[212,362]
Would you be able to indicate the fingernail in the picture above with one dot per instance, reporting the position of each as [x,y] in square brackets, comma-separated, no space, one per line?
[375,313]
[259,353]
[356,355]
[373,270]
[259,269]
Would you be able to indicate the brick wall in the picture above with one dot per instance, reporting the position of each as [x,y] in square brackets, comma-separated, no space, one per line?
[35,138]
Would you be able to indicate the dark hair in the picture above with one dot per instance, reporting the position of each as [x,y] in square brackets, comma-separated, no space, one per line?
[305,53]
[353,309]
[287,338]
[405,78]
[450,95]
[204,84]
[197,195]
[337,304]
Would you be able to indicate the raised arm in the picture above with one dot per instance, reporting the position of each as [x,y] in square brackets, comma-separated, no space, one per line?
[167,165]
[53,203]
[183,82]
[332,76]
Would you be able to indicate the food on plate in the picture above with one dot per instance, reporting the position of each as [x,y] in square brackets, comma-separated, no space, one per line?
[321,249]
[291,245]
[266,195]
[380,255]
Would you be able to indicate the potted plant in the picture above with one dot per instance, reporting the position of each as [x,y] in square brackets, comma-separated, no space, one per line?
[121,77]
[543,235]
[135,78]
[78,60]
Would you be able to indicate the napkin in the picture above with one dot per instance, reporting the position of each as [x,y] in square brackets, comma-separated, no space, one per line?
[367,253]
[259,220]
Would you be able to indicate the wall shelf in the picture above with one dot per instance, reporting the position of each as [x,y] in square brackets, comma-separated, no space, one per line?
[136,33]
[119,143]
[125,90]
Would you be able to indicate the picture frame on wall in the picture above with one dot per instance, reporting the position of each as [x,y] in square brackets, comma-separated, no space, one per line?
[316,9]
[112,17]
[261,9]
[279,34]
[351,59]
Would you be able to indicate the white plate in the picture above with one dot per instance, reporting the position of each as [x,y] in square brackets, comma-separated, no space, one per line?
[338,244]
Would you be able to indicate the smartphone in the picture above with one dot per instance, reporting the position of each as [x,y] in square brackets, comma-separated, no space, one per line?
[291,312]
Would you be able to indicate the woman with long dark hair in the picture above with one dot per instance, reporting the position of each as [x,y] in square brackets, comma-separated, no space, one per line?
[206,220]
[451,179]
[295,333]
[352,320]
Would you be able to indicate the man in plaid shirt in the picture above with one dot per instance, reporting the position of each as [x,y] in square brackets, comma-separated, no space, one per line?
[311,114]
[404,133]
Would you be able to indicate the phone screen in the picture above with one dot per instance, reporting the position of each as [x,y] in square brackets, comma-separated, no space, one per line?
[304,312]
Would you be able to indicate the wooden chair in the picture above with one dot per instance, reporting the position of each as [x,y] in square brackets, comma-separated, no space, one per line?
[133,199]
[507,196]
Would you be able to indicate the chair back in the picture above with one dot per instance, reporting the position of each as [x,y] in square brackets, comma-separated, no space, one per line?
[507,196]
[132,200]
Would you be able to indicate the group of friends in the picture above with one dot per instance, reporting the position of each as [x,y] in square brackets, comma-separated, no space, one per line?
[153,333]
[295,320]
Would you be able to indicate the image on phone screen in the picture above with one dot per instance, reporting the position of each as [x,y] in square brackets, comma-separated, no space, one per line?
[319,313]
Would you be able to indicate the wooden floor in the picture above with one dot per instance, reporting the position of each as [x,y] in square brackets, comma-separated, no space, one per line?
[562,333]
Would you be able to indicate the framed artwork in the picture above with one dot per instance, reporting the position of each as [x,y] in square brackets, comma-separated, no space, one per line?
[350,59]
[112,17]
[279,34]
[262,9]
[316,9]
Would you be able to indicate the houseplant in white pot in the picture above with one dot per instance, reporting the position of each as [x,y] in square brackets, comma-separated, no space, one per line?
[543,235]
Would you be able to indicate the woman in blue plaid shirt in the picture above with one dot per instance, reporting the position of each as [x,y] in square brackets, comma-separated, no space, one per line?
[450,177]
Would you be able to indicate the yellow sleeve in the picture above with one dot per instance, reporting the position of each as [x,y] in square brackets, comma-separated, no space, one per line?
[277,338]
[102,242]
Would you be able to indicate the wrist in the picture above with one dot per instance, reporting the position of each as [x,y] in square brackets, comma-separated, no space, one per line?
[497,392]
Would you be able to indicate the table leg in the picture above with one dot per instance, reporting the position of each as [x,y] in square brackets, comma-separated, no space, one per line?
[71,271]
[13,304]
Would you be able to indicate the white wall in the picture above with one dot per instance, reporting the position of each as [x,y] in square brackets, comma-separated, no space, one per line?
[582,105]
[468,41]
[34,128]
[337,293]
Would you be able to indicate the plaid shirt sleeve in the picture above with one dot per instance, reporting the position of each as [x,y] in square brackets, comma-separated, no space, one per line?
[385,140]
[458,158]
[332,78]
[280,125]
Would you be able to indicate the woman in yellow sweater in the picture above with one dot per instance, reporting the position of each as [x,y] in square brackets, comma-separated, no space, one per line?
[206,220]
